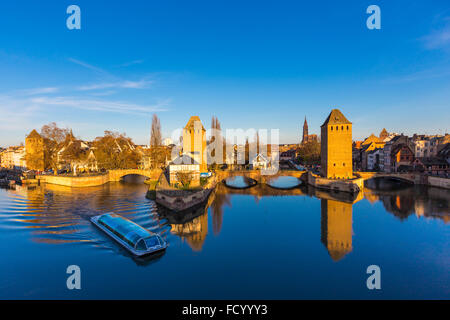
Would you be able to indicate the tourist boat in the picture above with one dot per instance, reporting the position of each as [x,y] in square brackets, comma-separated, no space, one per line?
[136,239]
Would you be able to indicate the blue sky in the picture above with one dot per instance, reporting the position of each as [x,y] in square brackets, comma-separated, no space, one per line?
[253,64]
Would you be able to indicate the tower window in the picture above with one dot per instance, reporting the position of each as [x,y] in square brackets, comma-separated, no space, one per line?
[347,128]
[334,164]
[343,164]
[337,128]
[342,127]
[331,128]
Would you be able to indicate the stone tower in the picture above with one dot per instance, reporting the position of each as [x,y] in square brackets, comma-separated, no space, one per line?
[336,147]
[34,147]
[194,142]
[336,227]
[305,132]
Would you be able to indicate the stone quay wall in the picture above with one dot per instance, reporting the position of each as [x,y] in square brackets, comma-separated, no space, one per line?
[97,180]
[439,182]
[352,185]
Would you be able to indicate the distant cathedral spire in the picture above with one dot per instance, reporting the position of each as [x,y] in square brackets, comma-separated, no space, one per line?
[305,131]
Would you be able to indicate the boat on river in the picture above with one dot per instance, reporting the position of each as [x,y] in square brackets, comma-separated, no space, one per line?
[136,239]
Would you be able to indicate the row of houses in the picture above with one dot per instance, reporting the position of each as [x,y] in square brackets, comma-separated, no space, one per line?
[13,157]
[392,152]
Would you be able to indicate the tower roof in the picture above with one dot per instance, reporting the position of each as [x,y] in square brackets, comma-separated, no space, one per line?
[335,117]
[34,134]
[192,121]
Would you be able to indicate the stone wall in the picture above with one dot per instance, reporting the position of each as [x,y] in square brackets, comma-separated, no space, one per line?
[439,182]
[352,186]
[75,181]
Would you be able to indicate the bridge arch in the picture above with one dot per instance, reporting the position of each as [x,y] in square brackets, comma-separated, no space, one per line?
[403,177]
[117,175]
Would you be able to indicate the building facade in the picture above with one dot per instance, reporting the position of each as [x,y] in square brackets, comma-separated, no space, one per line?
[13,158]
[336,147]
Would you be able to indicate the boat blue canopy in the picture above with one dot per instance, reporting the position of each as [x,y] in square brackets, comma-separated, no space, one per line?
[127,230]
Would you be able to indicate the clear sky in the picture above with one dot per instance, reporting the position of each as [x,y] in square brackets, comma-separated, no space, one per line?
[253,64]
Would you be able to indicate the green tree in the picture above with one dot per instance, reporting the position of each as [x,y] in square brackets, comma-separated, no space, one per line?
[309,152]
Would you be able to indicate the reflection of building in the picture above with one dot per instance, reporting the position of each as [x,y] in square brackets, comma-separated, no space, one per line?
[194,231]
[336,147]
[336,227]
[194,142]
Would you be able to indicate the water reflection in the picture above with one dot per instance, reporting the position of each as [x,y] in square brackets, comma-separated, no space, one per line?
[60,215]
[239,182]
[403,200]
[336,227]
[284,182]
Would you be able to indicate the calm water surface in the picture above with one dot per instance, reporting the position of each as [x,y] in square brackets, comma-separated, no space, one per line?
[254,243]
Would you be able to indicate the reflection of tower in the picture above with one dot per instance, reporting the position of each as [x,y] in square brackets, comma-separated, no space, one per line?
[194,231]
[220,199]
[305,132]
[336,227]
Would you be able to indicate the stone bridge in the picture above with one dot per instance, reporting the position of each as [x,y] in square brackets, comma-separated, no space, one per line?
[117,175]
[96,180]
[414,178]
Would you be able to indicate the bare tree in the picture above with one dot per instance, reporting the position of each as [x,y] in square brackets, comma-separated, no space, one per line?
[53,132]
[155,135]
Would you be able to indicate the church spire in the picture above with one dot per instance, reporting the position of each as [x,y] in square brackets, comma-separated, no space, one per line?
[305,131]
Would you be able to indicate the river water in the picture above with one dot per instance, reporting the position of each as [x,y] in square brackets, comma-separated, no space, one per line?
[255,243]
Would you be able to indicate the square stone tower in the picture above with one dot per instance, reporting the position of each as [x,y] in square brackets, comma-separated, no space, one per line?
[194,142]
[336,147]
[34,146]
